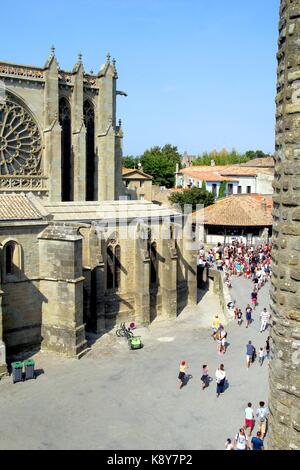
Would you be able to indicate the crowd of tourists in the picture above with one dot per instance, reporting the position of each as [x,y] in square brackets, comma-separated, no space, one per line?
[254,263]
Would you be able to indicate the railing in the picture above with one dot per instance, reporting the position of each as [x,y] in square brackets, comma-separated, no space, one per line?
[23,183]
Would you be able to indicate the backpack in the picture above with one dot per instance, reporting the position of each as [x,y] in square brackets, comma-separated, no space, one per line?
[261,414]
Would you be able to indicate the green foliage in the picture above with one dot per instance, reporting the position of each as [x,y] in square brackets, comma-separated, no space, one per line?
[222,189]
[130,162]
[227,158]
[255,154]
[203,186]
[160,162]
[192,196]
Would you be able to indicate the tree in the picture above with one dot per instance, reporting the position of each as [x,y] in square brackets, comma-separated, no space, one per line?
[222,189]
[130,161]
[203,186]
[192,196]
[227,158]
[160,163]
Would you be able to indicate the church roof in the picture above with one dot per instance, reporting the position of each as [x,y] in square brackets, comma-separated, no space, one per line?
[106,210]
[19,207]
[246,210]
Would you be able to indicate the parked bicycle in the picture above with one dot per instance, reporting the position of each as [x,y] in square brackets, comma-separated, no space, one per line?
[124,332]
[134,342]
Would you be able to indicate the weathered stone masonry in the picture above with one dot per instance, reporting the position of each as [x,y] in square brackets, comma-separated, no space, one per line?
[285,292]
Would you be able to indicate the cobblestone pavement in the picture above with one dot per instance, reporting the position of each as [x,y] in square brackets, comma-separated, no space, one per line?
[114,398]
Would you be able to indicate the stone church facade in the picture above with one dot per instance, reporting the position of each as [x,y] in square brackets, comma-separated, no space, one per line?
[285,292]
[73,257]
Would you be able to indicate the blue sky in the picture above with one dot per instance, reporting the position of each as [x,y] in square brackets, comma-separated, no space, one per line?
[199,74]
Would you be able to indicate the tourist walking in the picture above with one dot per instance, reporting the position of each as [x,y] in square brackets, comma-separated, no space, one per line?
[241,440]
[205,377]
[268,347]
[215,326]
[254,298]
[220,379]
[223,336]
[218,339]
[249,418]
[240,317]
[248,315]
[249,353]
[262,414]
[182,374]
[261,356]
[257,442]
[228,445]
[264,318]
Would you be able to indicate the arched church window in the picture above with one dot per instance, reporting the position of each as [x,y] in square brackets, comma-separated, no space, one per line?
[113,267]
[9,255]
[66,152]
[89,121]
[117,266]
[153,264]
[110,268]
[12,260]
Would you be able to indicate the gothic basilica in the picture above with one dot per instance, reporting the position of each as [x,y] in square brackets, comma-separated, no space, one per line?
[75,255]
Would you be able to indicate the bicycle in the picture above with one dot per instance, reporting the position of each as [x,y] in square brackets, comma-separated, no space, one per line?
[124,332]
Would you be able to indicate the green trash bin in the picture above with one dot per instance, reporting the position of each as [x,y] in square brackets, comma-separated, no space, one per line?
[135,342]
[29,369]
[17,371]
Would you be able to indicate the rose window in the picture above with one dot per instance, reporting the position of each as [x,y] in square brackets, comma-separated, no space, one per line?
[20,141]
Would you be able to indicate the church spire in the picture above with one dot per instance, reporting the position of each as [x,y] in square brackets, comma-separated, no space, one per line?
[51,58]
[79,63]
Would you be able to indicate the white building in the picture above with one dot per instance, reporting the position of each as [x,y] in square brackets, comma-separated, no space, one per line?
[239,179]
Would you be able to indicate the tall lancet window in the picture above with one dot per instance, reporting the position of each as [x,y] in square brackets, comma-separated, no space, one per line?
[66,152]
[89,121]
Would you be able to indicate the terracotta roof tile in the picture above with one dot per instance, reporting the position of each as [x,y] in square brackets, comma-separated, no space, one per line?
[207,173]
[265,162]
[239,210]
[127,171]
[17,207]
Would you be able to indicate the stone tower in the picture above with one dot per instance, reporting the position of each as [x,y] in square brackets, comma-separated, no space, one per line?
[285,292]
[59,138]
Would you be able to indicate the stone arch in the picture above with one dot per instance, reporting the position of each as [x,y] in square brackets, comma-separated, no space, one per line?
[19,99]
[113,265]
[12,260]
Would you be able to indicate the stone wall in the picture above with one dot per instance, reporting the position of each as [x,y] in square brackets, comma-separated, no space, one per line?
[216,278]
[21,297]
[284,399]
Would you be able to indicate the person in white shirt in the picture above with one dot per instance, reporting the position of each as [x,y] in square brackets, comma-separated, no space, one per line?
[241,440]
[249,418]
[264,318]
[220,379]
[228,445]
[261,356]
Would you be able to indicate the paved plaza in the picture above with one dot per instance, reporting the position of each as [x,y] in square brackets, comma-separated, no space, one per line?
[119,399]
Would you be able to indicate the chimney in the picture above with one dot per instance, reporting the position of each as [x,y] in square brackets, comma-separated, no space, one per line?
[212,163]
[177,167]
[264,204]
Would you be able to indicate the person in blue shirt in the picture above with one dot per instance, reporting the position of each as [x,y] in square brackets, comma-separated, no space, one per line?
[249,353]
[257,442]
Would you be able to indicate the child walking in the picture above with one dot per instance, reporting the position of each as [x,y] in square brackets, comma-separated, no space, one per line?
[205,377]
